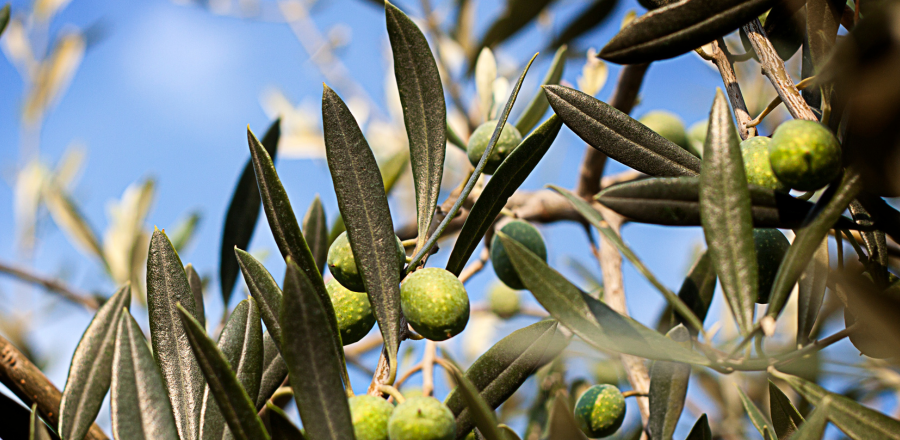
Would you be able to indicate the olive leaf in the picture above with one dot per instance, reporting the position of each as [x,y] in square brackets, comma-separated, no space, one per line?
[424,111]
[562,424]
[167,285]
[701,430]
[479,410]
[184,231]
[588,318]
[678,28]
[314,372]
[37,428]
[71,221]
[697,289]
[823,18]
[4,17]
[826,211]
[507,179]
[264,288]
[619,136]
[242,214]
[196,291]
[241,344]
[668,389]
[90,371]
[364,208]
[315,232]
[228,389]
[539,104]
[517,14]
[811,292]
[814,427]
[274,370]
[280,425]
[785,417]
[139,405]
[759,420]
[501,370]
[589,18]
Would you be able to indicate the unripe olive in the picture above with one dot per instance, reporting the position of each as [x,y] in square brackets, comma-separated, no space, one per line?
[435,303]
[505,302]
[525,234]
[342,263]
[667,125]
[756,164]
[422,418]
[869,339]
[804,155]
[696,136]
[600,411]
[370,415]
[771,246]
[481,137]
[353,311]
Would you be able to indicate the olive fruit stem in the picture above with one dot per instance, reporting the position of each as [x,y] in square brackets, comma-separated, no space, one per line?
[393,392]
[634,393]
[776,101]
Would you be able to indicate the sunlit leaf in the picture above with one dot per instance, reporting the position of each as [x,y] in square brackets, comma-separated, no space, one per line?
[69,218]
[197,292]
[759,420]
[562,424]
[479,410]
[485,75]
[539,104]
[315,231]
[785,417]
[668,389]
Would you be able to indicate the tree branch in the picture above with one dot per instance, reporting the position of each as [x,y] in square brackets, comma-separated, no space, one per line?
[51,285]
[722,59]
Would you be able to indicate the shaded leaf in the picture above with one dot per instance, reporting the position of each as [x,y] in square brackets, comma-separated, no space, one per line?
[315,232]
[785,417]
[811,292]
[589,18]
[619,136]
[90,371]
[814,427]
[514,17]
[167,285]
[242,214]
[507,179]
[479,410]
[139,405]
[823,18]
[280,425]
[697,289]
[590,319]
[364,208]
[509,433]
[38,430]
[274,370]
[759,420]
[668,389]
[197,292]
[680,27]
[701,430]
[725,212]
[264,289]
[230,395]
[4,17]
[539,104]
[562,424]
[424,111]
[314,371]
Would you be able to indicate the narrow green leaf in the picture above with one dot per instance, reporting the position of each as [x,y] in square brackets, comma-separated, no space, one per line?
[506,180]
[314,370]
[680,27]
[619,136]
[482,414]
[71,221]
[364,208]
[242,214]
[476,174]
[811,292]
[596,219]
[562,424]
[315,232]
[508,432]
[454,138]
[167,285]
[197,292]
[391,171]
[139,405]
[501,370]
[668,389]
[588,318]
[184,231]
[231,397]
[589,18]
[241,342]
[785,417]
[697,289]
[725,212]
[814,427]
[539,104]
[823,18]
[38,430]
[759,420]
[701,430]
[274,370]
[4,17]
[827,210]
[280,425]
[264,289]
[90,371]
[424,111]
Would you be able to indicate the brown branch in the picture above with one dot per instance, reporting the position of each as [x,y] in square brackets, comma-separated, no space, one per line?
[475,267]
[29,384]
[428,368]
[773,68]
[722,59]
[51,285]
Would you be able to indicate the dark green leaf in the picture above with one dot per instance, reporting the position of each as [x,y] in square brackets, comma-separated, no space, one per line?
[814,427]
[515,16]
[478,409]
[701,430]
[167,285]
[811,292]
[264,288]
[668,389]
[139,405]
[280,425]
[314,369]
[827,210]
[90,371]
[500,371]
[197,291]
[4,18]
[274,370]
[619,136]
[184,231]
[785,418]
[506,180]
[759,420]
[562,425]
[725,212]
[588,318]
[674,201]
[315,232]
[823,18]
[232,399]
[473,178]
[539,104]
[680,27]
[588,19]
[364,208]
[424,111]
[38,430]
[697,289]
[243,211]
[454,138]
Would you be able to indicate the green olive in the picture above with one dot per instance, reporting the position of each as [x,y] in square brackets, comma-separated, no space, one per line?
[481,137]
[756,164]
[505,302]
[342,263]
[771,247]
[804,155]
[353,311]
[600,411]
[370,415]
[525,234]
[435,303]
[422,418]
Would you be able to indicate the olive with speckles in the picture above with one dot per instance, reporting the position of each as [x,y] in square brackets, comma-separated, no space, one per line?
[370,415]
[667,125]
[481,137]
[435,303]
[804,155]
[505,302]
[422,418]
[771,246]
[353,311]
[600,411]
[525,234]
[755,152]
[342,263]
